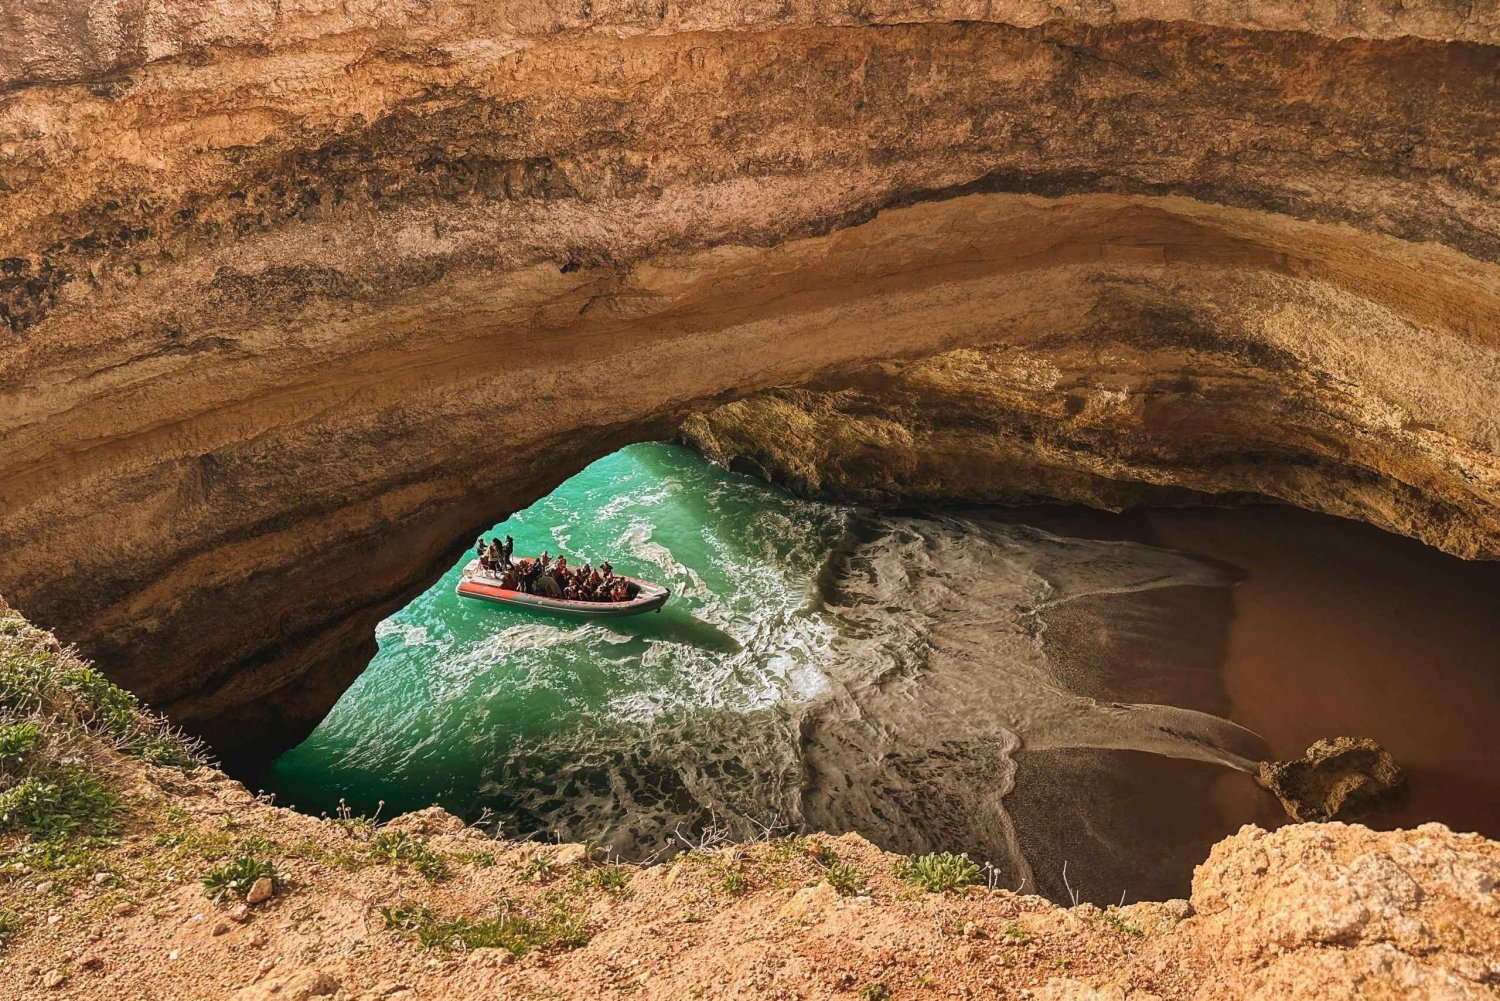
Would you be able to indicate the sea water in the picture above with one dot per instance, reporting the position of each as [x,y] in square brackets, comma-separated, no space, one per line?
[923,679]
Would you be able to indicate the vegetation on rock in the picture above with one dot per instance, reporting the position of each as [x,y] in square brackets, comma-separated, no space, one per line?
[938,872]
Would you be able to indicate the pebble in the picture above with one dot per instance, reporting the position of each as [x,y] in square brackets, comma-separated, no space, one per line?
[103,877]
[53,979]
[221,928]
[91,962]
[241,913]
[44,887]
[172,954]
[53,919]
[260,891]
[124,910]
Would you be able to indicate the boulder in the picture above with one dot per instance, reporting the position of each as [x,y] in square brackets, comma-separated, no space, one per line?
[301,985]
[428,823]
[1338,778]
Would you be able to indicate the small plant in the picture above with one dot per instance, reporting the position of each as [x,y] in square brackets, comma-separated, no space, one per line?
[1122,926]
[787,847]
[59,803]
[17,741]
[609,878]
[732,882]
[10,926]
[236,877]
[875,992]
[846,879]
[517,933]
[356,824]
[938,872]
[399,846]
[823,855]
[1017,934]
[538,868]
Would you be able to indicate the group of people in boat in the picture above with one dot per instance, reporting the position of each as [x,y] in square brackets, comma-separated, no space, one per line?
[551,578]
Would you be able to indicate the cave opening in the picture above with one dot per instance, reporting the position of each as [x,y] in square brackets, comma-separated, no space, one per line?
[1031,685]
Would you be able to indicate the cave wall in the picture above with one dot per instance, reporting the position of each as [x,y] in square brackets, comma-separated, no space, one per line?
[294,299]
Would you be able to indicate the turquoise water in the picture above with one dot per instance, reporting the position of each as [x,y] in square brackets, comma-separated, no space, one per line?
[923,679]
[476,706]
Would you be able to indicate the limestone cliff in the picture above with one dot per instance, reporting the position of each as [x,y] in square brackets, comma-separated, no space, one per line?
[147,874]
[295,298]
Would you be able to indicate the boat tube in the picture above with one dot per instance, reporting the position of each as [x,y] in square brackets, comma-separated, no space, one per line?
[477,584]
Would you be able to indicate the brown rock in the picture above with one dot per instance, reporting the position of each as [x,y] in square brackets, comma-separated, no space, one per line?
[429,822]
[260,891]
[1341,778]
[1222,247]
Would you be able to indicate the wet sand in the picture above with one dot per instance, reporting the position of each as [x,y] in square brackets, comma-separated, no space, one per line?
[1340,629]
[1332,629]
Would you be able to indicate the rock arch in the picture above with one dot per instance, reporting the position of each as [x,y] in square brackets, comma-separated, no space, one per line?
[290,306]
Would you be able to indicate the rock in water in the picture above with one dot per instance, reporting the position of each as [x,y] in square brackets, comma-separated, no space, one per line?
[1338,778]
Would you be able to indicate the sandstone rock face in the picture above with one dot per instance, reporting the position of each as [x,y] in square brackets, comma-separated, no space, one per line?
[1335,779]
[296,298]
[1325,911]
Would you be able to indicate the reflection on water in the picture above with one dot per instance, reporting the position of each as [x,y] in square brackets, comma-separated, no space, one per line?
[953,682]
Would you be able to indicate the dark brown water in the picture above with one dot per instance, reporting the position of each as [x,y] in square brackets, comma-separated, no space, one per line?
[1332,628]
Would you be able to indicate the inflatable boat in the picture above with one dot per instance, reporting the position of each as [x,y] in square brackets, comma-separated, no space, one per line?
[480,586]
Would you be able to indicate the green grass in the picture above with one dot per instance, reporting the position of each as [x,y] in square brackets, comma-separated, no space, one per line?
[938,872]
[399,846]
[237,876]
[875,992]
[60,721]
[518,933]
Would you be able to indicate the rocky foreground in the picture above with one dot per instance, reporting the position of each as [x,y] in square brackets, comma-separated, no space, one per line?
[129,869]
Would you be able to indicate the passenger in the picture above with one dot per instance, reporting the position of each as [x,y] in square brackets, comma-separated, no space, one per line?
[608,570]
[510,581]
[549,586]
[506,550]
[492,555]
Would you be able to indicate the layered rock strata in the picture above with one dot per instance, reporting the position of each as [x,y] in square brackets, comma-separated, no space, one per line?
[295,300]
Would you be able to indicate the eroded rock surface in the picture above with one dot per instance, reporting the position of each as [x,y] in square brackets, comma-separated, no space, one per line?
[272,272]
[1339,778]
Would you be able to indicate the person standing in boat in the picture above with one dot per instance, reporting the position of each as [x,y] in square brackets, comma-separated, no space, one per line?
[494,554]
[506,549]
